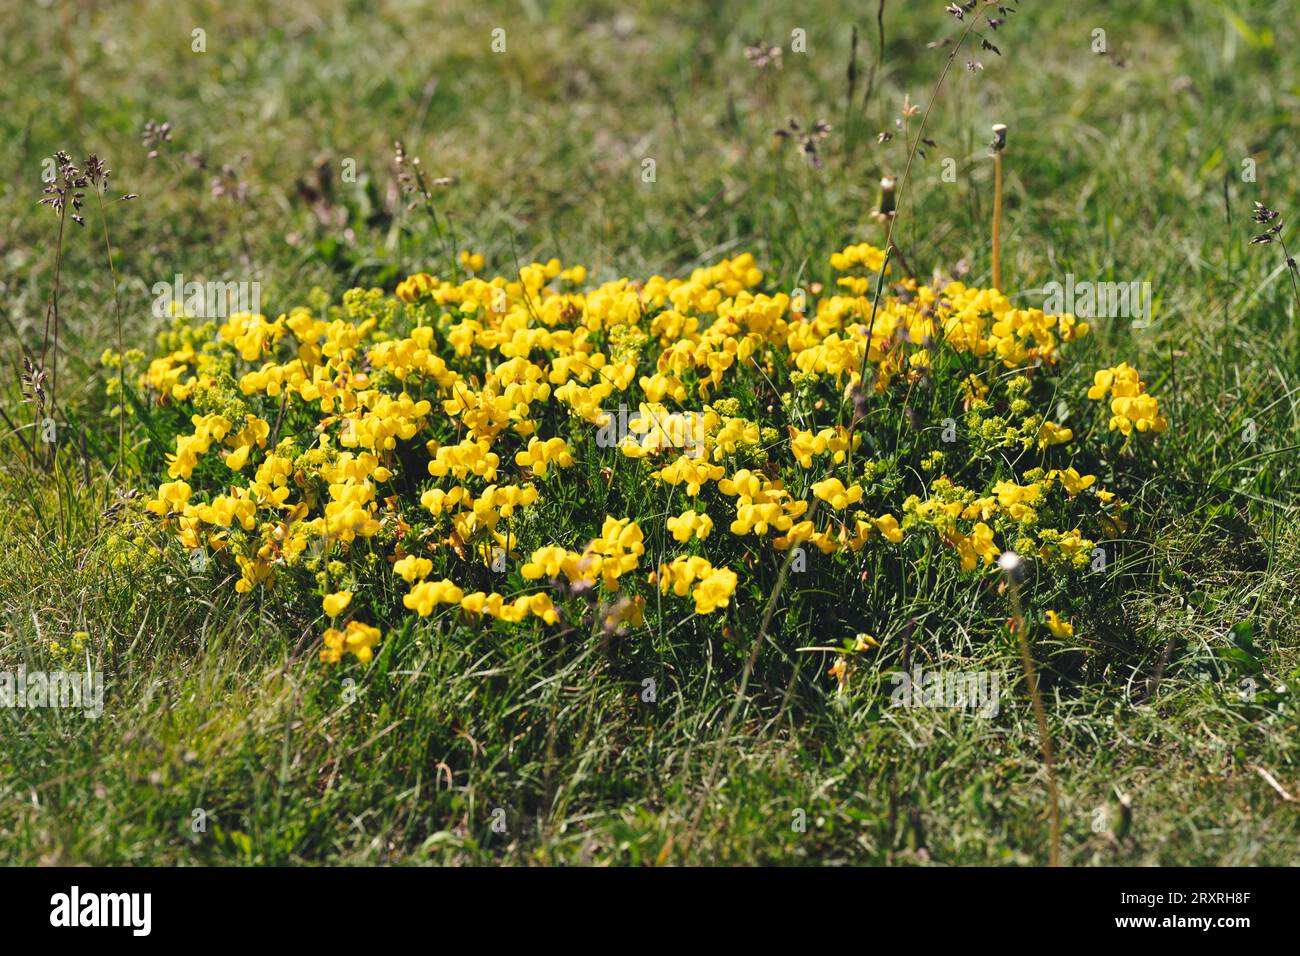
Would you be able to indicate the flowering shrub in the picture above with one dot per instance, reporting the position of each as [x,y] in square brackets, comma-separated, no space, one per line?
[541,451]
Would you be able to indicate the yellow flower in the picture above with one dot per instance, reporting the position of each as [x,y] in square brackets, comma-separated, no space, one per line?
[1050,433]
[1130,406]
[336,603]
[978,546]
[1060,628]
[358,639]
[410,568]
[236,459]
[1072,481]
[833,492]
[714,590]
[693,472]
[172,496]
[713,587]
[540,454]
[864,255]
[1017,501]
[888,526]
[427,595]
[689,523]
[608,557]
[804,444]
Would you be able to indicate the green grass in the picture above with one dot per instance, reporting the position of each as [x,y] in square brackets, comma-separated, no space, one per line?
[1114,172]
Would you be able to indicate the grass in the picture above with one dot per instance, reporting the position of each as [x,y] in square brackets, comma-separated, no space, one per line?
[217,704]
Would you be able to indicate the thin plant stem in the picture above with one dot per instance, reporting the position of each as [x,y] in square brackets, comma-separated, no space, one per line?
[925,117]
[902,183]
[431,208]
[52,310]
[997,220]
[121,353]
[999,146]
[1040,715]
[1295,289]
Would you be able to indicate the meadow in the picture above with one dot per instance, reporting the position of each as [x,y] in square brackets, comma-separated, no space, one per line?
[351,603]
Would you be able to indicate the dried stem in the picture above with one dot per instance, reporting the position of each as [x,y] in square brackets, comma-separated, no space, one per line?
[1012,566]
[1291,268]
[52,312]
[925,117]
[902,185]
[121,348]
[999,147]
[417,182]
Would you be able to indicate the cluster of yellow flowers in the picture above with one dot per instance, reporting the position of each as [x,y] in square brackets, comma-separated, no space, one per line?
[423,424]
[607,558]
[356,638]
[1131,407]
[710,587]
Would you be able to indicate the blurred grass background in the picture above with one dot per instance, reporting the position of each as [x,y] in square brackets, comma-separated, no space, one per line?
[1124,167]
